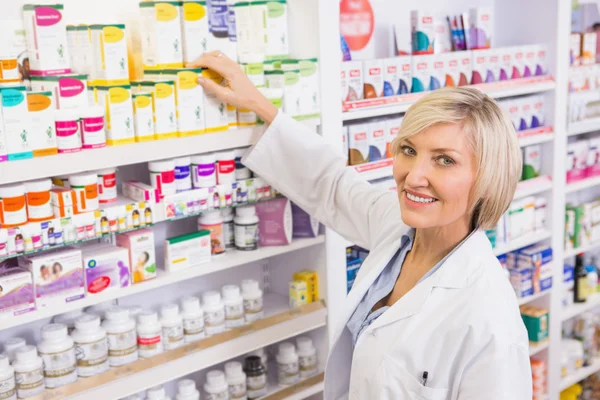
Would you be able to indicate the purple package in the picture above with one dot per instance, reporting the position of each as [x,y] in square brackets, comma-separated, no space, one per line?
[106,268]
[16,292]
[275,222]
[304,226]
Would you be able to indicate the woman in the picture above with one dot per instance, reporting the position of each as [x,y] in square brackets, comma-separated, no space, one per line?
[431,314]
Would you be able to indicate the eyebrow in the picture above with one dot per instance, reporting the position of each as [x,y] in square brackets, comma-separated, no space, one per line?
[438,150]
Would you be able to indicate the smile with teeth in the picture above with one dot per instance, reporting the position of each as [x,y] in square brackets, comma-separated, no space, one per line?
[418,199]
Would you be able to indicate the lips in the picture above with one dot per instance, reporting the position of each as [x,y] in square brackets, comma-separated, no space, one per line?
[419,198]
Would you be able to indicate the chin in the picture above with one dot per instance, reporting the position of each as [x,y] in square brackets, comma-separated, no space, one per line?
[418,221]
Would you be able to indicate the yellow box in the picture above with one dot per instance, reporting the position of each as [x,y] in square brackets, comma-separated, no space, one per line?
[312,283]
[298,294]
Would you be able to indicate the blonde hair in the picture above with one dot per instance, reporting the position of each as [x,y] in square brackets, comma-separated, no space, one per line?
[490,135]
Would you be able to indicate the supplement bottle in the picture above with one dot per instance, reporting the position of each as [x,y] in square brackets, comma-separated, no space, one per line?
[93,134]
[236,380]
[68,319]
[262,353]
[234,306]
[134,311]
[57,350]
[253,300]
[288,371]
[68,131]
[216,386]
[214,312]
[157,393]
[14,212]
[213,222]
[85,186]
[186,390]
[12,345]
[241,172]
[204,171]
[256,377]
[225,167]
[246,228]
[39,207]
[307,357]
[107,185]
[149,332]
[183,176]
[193,319]
[8,390]
[120,331]
[228,229]
[91,347]
[172,326]
[162,176]
[29,372]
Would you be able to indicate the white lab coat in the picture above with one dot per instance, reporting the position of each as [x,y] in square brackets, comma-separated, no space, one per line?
[462,324]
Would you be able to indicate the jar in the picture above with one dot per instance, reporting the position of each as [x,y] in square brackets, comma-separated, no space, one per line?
[13,212]
[253,300]
[172,326]
[214,312]
[241,172]
[162,176]
[228,230]
[39,206]
[213,222]
[107,185]
[68,319]
[204,172]
[307,357]
[93,134]
[149,332]
[256,377]
[262,354]
[236,380]
[90,346]
[216,386]
[156,393]
[120,332]
[234,306]
[186,390]
[193,319]
[58,353]
[100,309]
[68,134]
[134,311]
[225,167]
[246,228]
[183,176]
[8,389]
[85,186]
[11,346]
[29,372]
[288,370]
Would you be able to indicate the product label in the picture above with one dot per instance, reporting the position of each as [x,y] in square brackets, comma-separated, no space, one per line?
[92,358]
[92,132]
[12,211]
[122,348]
[107,187]
[29,383]
[308,365]
[237,391]
[193,329]
[164,182]
[288,374]
[246,237]
[214,321]
[183,180]
[8,389]
[218,396]
[234,315]
[253,309]
[149,344]
[217,18]
[226,171]
[59,368]
[257,386]
[217,237]
[204,175]
[172,337]
[228,234]
[68,137]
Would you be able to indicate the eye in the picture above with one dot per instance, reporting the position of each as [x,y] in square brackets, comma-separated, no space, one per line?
[408,151]
[445,161]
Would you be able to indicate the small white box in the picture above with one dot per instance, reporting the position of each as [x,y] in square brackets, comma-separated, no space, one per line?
[355,80]
[43,130]
[187,251]
[70,91]
[358,143]
[160,27]
[109,47]
[373,76]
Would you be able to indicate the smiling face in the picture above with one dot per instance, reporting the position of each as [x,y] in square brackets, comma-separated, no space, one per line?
[435,171]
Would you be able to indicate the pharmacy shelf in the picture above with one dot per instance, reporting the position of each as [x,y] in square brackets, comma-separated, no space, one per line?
[580,374]
[537,348]
[375,170]
[575,309]
[585,126]
[528,240]
[279,324]
[533,186]
[529,299]
[582,249]
[535,136]
[299,391]
[231,259]
[582,184]
[399,104]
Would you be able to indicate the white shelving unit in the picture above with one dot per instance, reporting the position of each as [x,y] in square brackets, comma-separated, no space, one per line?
[585,126]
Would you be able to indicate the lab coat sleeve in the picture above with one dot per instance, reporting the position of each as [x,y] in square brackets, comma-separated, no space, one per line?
[311,173]
[498,373]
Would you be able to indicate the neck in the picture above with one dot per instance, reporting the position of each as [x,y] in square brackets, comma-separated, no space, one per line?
[436,243]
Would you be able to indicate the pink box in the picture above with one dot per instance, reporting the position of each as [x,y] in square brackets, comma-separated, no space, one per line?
[275,224]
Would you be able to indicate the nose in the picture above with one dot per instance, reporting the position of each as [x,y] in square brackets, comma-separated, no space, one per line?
[417,174]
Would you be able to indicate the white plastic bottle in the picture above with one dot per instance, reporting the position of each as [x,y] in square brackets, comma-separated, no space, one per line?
[288,371]
[216,386]
[228,228]
[12,345]
[8,390]
[149,334]
[246,228]
[234,306]
[157,393]
[29,372]
[214,312]
[57,349]
[186,390]
[91,347]
[307,357]
[262,353]
[236,380]
[172,326]
[241,172]
[134,311]
[253,300]
[120,331]
[68,319]
[193,319]
[99,309]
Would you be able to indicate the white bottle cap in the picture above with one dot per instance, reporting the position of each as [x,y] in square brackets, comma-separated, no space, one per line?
[161,165]
[186,160]
[210,218]
[83,179]
[286,349]
[14,190]
[230,292]
[227,212]
[54,332]
[250,286]
[304,343]
[191,304]
[246,211]
[225,155]
[233,368]
[13,344]
[186,387]
[239,152]
[147,318]
[156,393]
[4,364]
[212,297]
[215,378]
[134,311]
[169,311]
[204,159]
[106,171]
[39,185]
[117,314]
[26,353]
[87,322]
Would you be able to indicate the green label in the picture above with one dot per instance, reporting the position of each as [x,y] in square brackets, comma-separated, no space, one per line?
[291,78]
[307,68]
[254,69]
[275,10]
[277,102]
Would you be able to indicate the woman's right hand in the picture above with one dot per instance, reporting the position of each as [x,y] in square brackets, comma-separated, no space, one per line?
[239,91]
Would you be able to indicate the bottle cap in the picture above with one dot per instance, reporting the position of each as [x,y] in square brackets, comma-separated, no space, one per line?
[227,213]
[191,304]
[246,211]
[147,318]
[156,393]
[215,378]
[87,322]
[169,310]
[252,363]
[304,343]
[161,165]
[67,317]
[230,292]
[39,185]
[203,159]
[210,218]
[286,349]
[14,190]
[233,368]
[13,344]
[83,179]
[4,364]
[239,153]
[211,298]
[134,311]
[26,353]
[54,332]
[226,155]
[250,286]
[182,161]
[186,387]
[117,314]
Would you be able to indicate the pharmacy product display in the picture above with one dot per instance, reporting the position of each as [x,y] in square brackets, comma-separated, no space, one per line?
[583,76]
[581,225]
[583,159]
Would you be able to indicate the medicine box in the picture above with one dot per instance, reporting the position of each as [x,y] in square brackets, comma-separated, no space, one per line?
[482,73]
[109,55]
[116,100]
[588,48]
[541,66]
[373,78]
[452,68]
[539,259]
[570,237]
[421,71]
[505,56]
[70,91]
[189,98]
[215,111]
[298,294]
[352,267]
[312,284]
[577,160]
[43,131]
[275,222]
[391,78]
[481,27]
[106,268]
[58,277]
[16,292]
[165,110]
[160,31]
[518,60]
[530,60]
[143,117]
[194,29]
[142,257]
[536,322]
[187,251]
[140,191]
[355,79]
[595,210]
[538,117]
[377,139]
[422,26]
[358,143]
[521,280]
[575,49]
[304,225]
[16,123]
[438,73]
[310,102]
[392,128]
[532,161]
